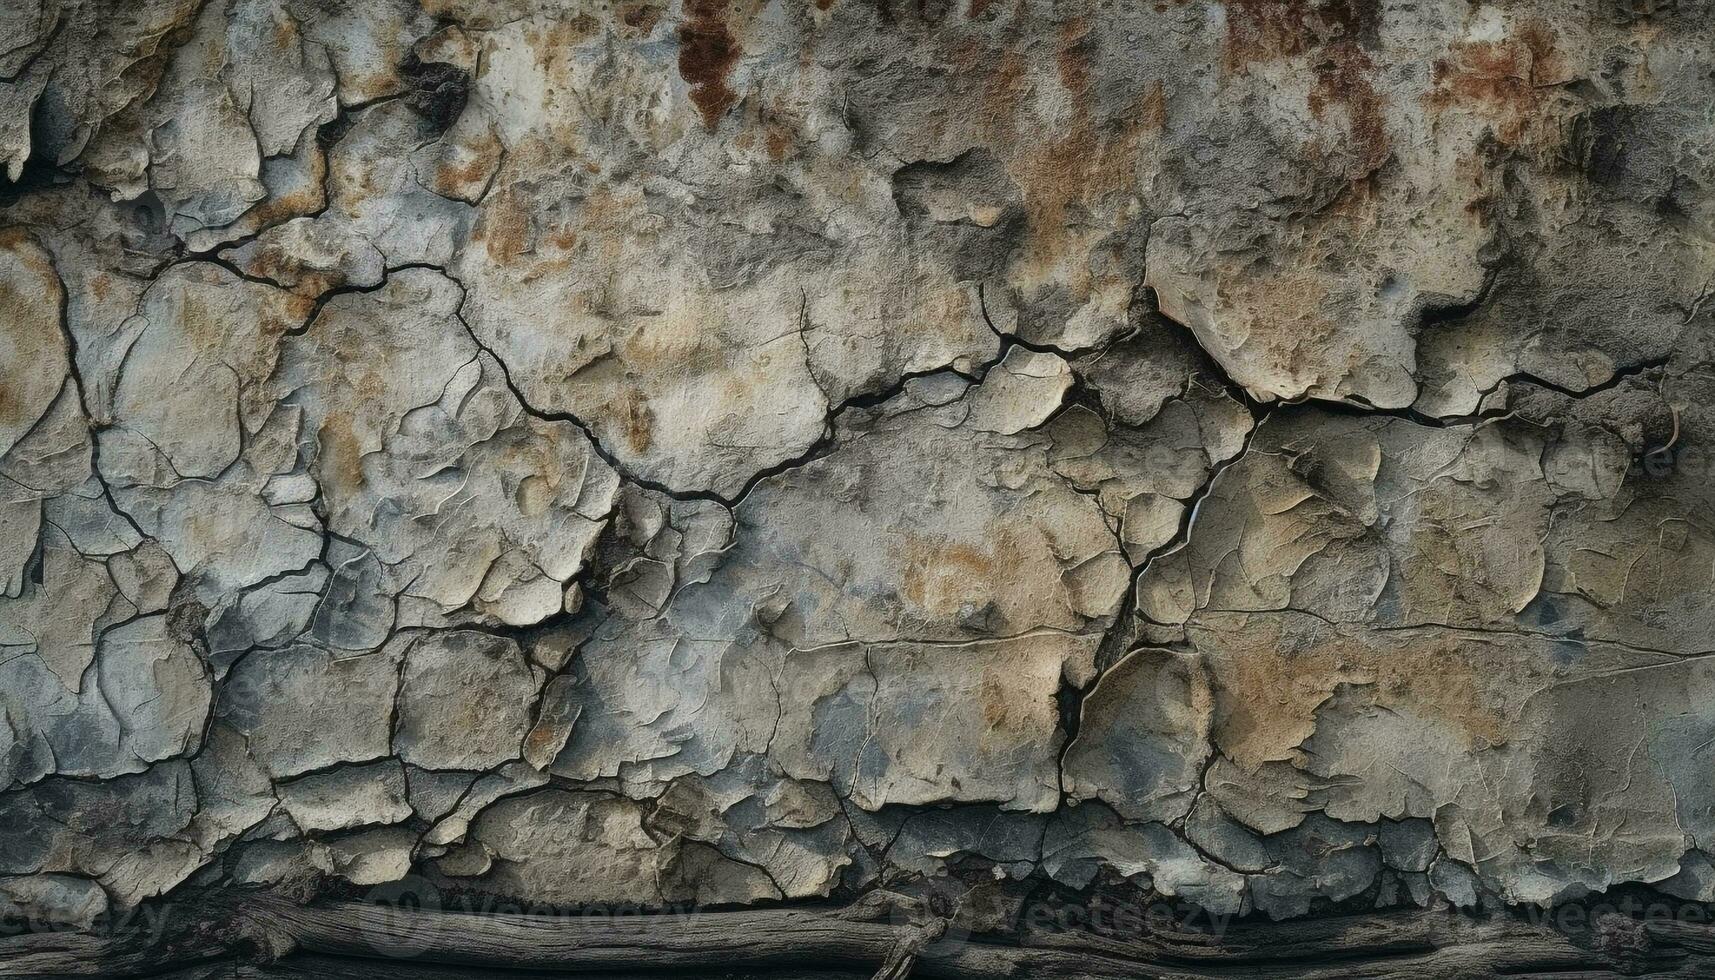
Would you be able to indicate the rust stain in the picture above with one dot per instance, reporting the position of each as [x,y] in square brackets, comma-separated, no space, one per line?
[779,142]
[563,237]
[1344,79]
[201,328]
[1496,72]
[452,179]
[1269,697]
[11,405]
[1009,83]
[297,309]
[29,329]
[1000,713]
[273,262]
[1073,57]
[539,740]
[300,201]
[638,422]
[554,43]
[1335,32]
[1261,30]
[342,454]
[707,52]
[939,574]
[1153,111]
[1546,64]
[503,228]
[1077,169]
[1495,78]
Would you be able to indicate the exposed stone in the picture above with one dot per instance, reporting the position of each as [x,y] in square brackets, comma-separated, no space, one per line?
[464,700]
[1253,455]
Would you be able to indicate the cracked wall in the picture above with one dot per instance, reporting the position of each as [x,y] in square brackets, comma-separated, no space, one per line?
[644,454]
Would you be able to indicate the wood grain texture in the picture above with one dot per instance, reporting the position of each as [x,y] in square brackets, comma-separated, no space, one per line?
[882,935]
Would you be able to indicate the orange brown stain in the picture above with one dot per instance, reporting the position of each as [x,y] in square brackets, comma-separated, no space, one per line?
[33,257]
[563,237]
[296,203]
[1264,30]
[1083,164]
[203,330]
[1494,77]
[11,408]
[272,262]
[1482,71]
[28,331]
[556,41]
[298,308]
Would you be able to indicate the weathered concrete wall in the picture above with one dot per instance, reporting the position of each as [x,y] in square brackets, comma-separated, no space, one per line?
[646,454]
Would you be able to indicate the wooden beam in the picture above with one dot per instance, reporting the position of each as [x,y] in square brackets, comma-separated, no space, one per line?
[882,935]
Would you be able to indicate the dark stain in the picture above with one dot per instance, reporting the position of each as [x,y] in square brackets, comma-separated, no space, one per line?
[185,617]
[1567,652]
[707,52]
[1627,12]
[1599,141]
[922,11]
[1678,204]
[437,91]
[977,179]
[39,171]
[935,11]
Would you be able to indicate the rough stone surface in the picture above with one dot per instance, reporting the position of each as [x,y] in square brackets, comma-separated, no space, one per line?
[1253,452]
